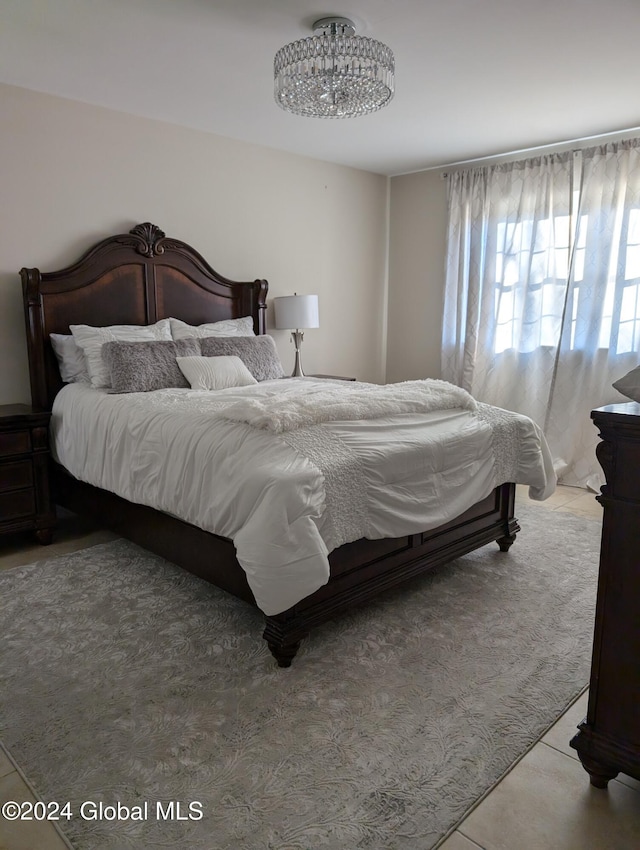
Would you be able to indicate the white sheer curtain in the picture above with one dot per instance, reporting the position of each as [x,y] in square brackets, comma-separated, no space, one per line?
[542,299]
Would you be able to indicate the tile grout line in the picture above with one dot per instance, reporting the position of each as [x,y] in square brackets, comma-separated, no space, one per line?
[577,761]
[475,843]
[507,771]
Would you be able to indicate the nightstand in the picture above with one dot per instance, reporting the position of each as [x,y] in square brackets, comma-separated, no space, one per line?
[332,377]
[25,501]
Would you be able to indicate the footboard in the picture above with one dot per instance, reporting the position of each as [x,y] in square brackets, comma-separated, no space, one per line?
[360,571]
[365,569]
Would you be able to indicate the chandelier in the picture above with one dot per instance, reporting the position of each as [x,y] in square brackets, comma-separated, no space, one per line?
[334,73]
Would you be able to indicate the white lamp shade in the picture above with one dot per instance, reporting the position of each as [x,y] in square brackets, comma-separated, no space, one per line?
[296,311]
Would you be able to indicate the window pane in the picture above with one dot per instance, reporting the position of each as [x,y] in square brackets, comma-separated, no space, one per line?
[634,226]
[632,263]
[625,337]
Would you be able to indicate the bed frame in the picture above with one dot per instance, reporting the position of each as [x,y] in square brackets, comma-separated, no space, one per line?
[139,278]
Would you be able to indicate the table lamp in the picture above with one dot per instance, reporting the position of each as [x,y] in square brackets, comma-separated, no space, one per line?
[293,312]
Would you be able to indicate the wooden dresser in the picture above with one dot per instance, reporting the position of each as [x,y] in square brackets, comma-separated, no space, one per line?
[25,501]
[608,741]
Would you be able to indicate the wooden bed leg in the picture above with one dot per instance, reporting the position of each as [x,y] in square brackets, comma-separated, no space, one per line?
[505,542]
[44,536]
[282,638]
[284,655]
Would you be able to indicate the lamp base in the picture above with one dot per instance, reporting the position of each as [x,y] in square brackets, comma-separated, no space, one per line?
[297,337]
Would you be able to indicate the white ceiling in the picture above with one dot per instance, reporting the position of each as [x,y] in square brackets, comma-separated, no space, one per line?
[473,77]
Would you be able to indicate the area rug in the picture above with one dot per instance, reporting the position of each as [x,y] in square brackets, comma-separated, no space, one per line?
[147,699]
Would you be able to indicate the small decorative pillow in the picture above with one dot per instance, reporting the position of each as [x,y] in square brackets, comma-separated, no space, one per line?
[91,340]
[228,327]
[258,353]
[140,367]
[71,359]
[629,384]
[215,373]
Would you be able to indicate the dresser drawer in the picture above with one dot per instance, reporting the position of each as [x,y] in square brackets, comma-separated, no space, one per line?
[15,443]
[16,476]
[21,503]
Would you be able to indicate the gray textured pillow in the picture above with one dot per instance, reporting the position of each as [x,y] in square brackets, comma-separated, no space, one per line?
[139,367]
[258,353]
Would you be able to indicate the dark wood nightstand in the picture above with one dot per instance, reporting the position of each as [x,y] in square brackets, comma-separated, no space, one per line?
[25,500]
[332,377]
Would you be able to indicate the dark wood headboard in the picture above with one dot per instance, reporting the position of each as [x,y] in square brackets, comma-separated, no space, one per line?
[134,278]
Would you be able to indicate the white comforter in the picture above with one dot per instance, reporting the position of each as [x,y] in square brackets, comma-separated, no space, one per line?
[174,450]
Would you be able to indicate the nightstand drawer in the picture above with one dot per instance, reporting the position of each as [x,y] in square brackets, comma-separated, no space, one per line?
[25,499]
[16,476]
[21,503]
[15,443]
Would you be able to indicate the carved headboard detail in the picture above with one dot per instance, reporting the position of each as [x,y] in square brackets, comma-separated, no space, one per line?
[134,278]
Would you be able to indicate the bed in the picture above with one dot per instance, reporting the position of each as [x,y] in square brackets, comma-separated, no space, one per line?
[142,277]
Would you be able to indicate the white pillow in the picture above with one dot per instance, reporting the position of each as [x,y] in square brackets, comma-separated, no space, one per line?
[71,359]
[91,340]
[228,327]
[629,384]
[215,373]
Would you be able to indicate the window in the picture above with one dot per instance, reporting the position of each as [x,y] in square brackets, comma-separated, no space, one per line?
[532,266]
[542,298]
[620,329]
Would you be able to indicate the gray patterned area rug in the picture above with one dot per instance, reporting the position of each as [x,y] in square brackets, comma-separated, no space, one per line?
[127,681]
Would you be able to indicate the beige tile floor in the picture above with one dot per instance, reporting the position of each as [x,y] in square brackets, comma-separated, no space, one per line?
[544,803]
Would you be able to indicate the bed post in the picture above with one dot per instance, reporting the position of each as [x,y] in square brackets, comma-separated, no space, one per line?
[35,337]
[508,495]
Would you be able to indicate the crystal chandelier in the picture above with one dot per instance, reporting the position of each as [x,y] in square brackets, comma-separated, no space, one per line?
[333,74]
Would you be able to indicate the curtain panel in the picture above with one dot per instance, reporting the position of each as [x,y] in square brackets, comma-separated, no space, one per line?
[542,306]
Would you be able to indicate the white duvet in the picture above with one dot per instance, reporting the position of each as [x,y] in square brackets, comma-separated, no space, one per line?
[280,497]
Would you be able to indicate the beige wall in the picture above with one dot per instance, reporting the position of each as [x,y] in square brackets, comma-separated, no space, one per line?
[72,174]
[418,217]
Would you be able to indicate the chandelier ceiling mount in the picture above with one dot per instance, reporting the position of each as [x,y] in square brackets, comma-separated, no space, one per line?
[334,26]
